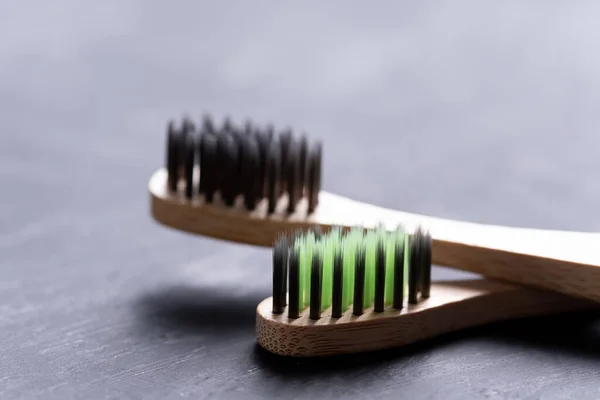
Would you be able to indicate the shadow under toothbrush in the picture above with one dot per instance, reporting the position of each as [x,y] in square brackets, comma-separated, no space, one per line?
[192,310]
[195,309]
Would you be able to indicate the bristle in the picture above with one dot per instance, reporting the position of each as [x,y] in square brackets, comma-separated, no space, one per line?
[293,185]
[227,125]
[414,275]
[285,138]
[388,243]
[207,124]
[318,154]
[369,285]
[426,249]
[230,169]
[269,130]
[399,271]
[280,262]
[172,156]
[327,249]
[286,264]
[357,270]
[188,126]
[273,176]
[240,140]
[249,172]
[189,163]
[313,184]
[317,232]
[379,278]
[248,128]
[263,151]
[208,164]
[294,286]
[338,279]
[185,133]
[303,163]
[316,278]
[359,281]
[199,151]
[308,247]
[295,170]
[223,144]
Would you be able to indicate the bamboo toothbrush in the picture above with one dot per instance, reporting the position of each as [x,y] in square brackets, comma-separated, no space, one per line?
[340,293]
[248,184]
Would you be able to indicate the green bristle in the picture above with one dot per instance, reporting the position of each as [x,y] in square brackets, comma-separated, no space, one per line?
[348,279]
[308,245]
[389,268]
[300,244]
[406,259]
[328,249]
[317,248]
[370,242]
[349,243]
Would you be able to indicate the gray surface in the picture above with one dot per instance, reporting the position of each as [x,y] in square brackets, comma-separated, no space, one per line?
[483,112]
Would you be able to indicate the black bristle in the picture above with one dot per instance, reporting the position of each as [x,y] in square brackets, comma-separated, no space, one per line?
[227,125]
[250,170]
[208,126]
[398,275]
[188,126]
[269,131]
[318,154]
[286,250]
[317,231]
[240,140]
[207,132]
[279,275]
[292,176]
[303,164]
[379,278]
[199,151]
[285,138]
[263,149]
[248,128]
[224,166]
[230,171]
[359,281]
[208,162]
[294,283]
[316,278]
[426,247]
[273,176]
[338,279]
[414,276]
[189,163]
[314,160]
[172,156]
[184,133]
[223,142]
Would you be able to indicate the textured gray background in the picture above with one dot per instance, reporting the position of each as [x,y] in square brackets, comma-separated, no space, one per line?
[474,110]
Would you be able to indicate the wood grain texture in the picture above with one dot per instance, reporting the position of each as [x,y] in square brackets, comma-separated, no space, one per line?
[452,306]
[565,262]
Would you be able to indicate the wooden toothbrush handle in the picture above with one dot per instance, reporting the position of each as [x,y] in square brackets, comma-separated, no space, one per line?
[570,278]
[453,306]
[565,262]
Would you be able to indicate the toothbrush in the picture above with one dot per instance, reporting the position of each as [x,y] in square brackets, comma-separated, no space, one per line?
[364,290]
[247,185]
